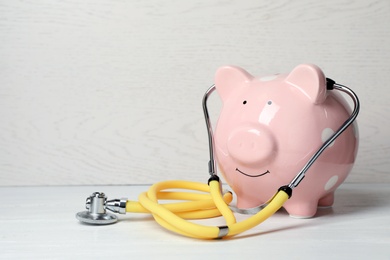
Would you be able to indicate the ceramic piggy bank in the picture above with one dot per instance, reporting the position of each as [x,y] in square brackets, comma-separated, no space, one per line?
[268,129]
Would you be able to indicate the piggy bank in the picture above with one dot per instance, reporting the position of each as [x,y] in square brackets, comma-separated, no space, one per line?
[269,127]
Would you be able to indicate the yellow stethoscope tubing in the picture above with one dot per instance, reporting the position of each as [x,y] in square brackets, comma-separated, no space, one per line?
[194,200]
[173,216]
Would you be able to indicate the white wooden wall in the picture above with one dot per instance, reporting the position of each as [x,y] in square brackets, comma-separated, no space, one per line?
[109,92]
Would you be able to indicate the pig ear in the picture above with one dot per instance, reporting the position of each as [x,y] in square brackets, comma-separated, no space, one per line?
[310,80]
[228,78]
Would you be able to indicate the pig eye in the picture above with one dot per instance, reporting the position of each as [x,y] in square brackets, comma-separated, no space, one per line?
[244,102]
[269,102]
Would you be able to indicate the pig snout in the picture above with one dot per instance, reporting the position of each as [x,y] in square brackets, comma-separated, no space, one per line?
[251,146]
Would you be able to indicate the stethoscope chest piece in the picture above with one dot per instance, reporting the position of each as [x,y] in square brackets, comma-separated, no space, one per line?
[96,213]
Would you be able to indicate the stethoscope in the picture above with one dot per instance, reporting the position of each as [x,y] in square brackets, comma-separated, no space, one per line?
[202,201]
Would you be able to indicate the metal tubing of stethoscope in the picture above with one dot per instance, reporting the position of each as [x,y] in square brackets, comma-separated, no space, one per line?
[212,163]
[299,177]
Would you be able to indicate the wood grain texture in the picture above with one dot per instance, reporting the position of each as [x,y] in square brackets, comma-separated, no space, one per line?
[103,92]
[42,225]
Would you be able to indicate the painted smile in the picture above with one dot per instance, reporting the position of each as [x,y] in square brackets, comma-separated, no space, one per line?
[253,176]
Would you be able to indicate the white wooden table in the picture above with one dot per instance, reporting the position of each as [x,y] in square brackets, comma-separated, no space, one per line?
[39,223]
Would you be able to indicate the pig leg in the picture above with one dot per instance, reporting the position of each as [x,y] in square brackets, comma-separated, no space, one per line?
[301,209]
[327,200]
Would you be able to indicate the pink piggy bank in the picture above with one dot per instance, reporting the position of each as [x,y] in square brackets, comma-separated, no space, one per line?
[269,128]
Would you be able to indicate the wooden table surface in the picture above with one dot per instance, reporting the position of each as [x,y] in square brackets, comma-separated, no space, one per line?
[40,223]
